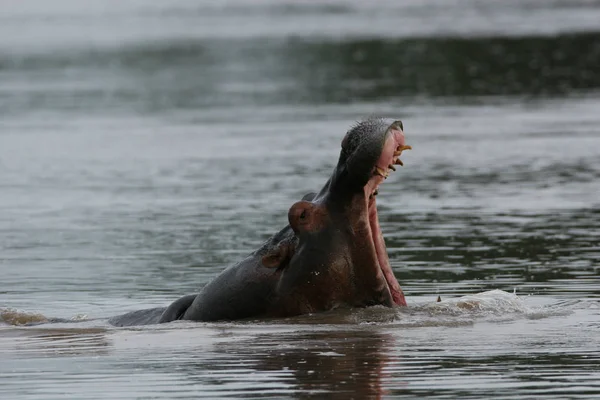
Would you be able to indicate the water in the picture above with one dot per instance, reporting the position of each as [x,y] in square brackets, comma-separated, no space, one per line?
[146,145]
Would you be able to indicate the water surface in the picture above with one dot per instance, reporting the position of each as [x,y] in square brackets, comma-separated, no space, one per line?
[144,147]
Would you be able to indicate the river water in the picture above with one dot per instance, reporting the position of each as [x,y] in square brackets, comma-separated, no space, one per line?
[144,146]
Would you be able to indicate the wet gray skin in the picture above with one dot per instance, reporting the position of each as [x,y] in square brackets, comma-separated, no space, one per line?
[327,257]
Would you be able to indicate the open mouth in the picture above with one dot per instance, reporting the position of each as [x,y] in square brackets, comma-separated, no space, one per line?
[393,147]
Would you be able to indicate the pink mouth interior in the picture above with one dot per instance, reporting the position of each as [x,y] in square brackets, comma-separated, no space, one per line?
[395,139]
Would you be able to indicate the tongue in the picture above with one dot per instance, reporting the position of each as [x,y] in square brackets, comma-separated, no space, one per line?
[382,256]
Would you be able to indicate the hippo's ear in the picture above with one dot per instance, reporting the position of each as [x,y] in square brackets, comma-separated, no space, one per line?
[305,216]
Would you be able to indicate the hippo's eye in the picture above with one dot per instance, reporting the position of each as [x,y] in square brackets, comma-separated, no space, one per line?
[303,215]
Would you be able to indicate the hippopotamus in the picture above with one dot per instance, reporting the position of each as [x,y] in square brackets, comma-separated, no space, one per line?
[331,254]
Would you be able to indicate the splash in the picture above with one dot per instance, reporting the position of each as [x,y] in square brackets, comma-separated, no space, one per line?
[493,302]
[492,306]
[16,317]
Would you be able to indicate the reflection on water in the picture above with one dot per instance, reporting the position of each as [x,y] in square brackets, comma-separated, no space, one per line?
[337,364]
[143,147]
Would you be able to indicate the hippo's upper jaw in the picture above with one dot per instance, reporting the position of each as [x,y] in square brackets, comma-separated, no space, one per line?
[340,256]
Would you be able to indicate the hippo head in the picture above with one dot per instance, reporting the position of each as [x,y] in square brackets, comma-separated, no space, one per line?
[338,256]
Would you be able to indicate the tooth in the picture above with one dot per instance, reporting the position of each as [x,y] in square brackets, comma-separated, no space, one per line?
[399,162]
[380,171]
[400,149]
[391,167]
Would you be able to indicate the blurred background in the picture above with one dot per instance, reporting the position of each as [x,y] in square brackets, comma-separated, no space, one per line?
[146,145]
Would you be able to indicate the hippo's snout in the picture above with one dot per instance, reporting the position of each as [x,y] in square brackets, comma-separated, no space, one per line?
[366,151]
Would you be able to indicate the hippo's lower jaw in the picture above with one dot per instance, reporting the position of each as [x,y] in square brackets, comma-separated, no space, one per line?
[382,256]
